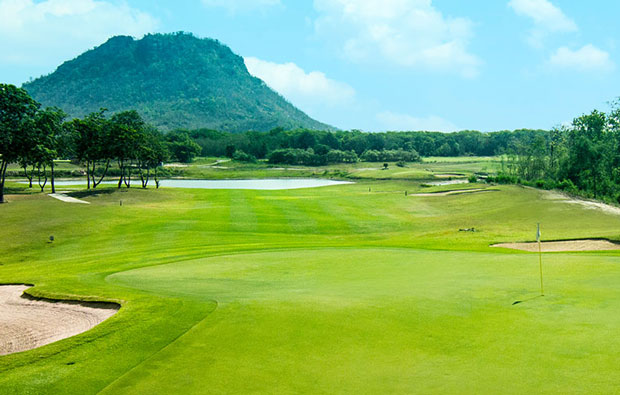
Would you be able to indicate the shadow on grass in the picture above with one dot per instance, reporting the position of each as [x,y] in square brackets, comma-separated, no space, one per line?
[91,192]
[21,190]
[528,299]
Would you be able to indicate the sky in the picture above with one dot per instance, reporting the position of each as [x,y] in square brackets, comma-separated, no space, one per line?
[373,65]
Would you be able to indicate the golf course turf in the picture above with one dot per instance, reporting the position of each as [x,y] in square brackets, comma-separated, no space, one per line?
[324,290]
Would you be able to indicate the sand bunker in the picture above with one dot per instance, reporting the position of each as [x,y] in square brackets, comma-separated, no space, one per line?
[67,199]
[563,246]
[455,192]
[27,323]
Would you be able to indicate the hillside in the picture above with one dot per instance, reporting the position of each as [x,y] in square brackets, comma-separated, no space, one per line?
[174,81]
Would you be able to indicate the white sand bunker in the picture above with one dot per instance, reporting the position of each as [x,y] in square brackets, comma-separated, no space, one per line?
[563,246]
[67,199]
[455,192]
[27,323]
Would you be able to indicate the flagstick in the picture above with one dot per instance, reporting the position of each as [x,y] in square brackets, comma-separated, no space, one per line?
[542,292]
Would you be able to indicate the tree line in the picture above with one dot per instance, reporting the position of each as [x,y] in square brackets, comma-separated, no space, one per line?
[311,147]
[34,138]
[581,158]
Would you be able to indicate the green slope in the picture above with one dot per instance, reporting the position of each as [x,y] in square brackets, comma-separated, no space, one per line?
[174,81]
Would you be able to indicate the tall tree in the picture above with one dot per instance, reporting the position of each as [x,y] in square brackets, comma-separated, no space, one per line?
[151,155]
[17,110]
[49,128]
[91,145]
[184,149]
[589,142]
[126,136]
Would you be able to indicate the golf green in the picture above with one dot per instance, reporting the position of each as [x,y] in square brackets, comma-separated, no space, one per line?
[383,321]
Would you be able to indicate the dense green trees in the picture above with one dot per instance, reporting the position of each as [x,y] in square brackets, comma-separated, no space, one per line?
[279,145]
[17,111]
[583,157]
[35,137]
[182,147]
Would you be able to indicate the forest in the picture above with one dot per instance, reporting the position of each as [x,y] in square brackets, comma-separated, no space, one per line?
[581,158]
[295,146]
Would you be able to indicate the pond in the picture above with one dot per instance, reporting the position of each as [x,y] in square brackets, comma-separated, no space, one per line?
[268,184]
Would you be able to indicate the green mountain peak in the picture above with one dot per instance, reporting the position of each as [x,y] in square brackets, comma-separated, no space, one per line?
[174,81]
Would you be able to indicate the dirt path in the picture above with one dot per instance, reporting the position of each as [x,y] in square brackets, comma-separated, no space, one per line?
[589,204]
[26,323]
[67,199]
[563,246]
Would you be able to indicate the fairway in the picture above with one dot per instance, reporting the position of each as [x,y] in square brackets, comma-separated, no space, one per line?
[343,289]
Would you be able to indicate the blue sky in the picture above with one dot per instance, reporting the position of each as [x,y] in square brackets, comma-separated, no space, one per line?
[367,64]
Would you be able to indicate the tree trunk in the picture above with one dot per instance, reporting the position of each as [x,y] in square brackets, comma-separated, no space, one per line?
[145,180]
[53,185]
[156,179]
[42,186]
[128,177]
[105,171]
[29,177]
[122,169]
[87,174]
[3,166]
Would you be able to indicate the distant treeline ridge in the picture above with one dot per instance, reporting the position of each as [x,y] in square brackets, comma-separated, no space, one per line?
[311,147]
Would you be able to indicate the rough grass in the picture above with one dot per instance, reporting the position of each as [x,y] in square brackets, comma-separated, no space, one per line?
[327,290]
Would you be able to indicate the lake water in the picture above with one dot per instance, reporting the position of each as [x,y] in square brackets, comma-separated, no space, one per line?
[269,184]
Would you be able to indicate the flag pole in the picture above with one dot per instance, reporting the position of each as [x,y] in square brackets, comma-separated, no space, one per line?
[542,292]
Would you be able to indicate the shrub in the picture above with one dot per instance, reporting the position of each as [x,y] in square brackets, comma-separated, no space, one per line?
[567,185]
[243,157]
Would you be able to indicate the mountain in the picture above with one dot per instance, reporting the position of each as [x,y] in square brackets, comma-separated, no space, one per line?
[174,80]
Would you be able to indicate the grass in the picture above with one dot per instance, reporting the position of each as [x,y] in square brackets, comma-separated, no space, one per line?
[323,290]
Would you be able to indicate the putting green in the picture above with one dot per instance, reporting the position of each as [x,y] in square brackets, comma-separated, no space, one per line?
[375,320]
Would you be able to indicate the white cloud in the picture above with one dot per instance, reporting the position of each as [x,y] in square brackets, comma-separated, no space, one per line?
[547,19]
[587,58]
[403,122]
[241,5]
[409,33]
[52,31]
[305,90]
